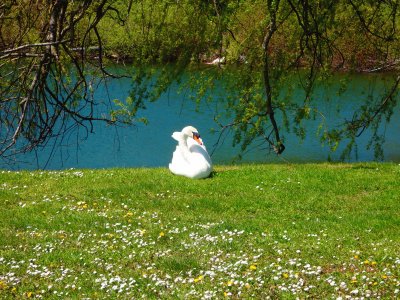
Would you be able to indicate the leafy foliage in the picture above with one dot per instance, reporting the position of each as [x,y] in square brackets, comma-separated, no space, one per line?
[275,47]
[270,48]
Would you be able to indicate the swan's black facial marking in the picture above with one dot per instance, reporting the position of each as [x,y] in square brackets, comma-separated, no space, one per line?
[196,137]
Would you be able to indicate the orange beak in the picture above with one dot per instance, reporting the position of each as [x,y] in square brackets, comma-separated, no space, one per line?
[197,138]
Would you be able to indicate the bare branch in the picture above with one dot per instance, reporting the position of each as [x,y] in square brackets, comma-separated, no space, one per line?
[27,46]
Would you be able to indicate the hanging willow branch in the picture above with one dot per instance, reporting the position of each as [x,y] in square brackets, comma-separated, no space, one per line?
[278,145]
[45,89]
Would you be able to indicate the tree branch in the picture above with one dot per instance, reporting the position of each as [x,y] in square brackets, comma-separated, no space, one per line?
[23,47]
[278,145]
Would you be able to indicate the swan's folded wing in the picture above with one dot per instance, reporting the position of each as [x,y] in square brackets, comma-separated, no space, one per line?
[202,152]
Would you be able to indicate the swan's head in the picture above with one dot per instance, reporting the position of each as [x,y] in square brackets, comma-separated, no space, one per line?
[192,132]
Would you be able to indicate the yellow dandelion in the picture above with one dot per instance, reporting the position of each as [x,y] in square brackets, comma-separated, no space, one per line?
[253,267]
[366,262]
[356,257]
[3,285]
[128,214]
[384,277]
[161,234]
[82,204]
[14,289]
[198,278]
[29,294]
[229,283]
[375,283]
[247,285]
[285,275]
[373,263]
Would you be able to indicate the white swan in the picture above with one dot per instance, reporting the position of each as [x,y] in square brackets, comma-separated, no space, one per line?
[190,157]
[217,61]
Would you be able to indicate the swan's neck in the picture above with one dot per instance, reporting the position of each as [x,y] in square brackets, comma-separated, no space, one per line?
[184,146]
[184,141]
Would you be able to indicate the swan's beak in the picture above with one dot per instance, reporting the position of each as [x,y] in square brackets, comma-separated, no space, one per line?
[197,138]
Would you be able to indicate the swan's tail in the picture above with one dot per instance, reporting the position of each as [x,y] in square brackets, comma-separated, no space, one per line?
[178,136]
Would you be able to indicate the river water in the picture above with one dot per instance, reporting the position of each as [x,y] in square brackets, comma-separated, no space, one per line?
[152,146]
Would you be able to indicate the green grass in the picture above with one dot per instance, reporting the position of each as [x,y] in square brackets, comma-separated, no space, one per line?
[251,231]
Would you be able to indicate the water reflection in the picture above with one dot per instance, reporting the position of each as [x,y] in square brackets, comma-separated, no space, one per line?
[152,145]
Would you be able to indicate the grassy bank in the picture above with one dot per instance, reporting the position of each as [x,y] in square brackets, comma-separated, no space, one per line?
[284,231]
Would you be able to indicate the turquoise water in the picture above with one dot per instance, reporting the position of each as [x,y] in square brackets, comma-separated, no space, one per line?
[152,146]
